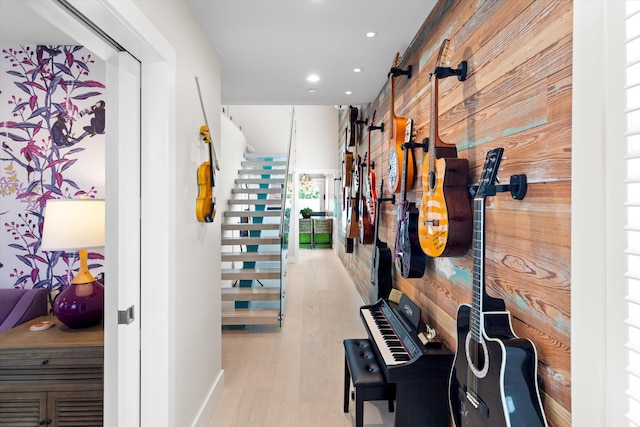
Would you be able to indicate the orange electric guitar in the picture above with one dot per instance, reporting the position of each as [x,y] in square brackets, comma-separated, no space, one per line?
[396,154]
[444,223]
[205,202]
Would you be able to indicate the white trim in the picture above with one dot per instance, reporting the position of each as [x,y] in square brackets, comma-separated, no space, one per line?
[209,402]
[126,23]
[597,262]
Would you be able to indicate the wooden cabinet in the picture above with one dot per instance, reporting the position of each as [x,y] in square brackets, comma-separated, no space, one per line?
[52,377]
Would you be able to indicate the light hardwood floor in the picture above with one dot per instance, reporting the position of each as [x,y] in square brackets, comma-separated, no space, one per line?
[293,376]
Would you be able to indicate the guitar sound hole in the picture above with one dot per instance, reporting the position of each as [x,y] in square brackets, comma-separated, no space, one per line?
[477,356]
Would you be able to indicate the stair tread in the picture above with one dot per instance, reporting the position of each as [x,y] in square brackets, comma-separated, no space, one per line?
[271,156]
[250,273]
[266,240]
[255,201]
[250,256]
[273,190]
[258,171]
[259,163]
[259,181]
[250,294]
[251,226]
[251,316]
[275,212]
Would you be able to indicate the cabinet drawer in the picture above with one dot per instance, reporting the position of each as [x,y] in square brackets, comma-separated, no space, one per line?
[51,366]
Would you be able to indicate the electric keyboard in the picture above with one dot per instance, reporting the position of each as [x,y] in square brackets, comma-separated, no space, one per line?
[421,373]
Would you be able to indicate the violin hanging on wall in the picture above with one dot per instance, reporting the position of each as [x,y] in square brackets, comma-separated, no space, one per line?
[205,203]
[206,175]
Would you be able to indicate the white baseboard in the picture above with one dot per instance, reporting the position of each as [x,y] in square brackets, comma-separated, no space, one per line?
[210,402]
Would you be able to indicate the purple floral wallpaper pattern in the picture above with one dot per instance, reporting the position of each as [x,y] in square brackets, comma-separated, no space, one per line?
[52,122]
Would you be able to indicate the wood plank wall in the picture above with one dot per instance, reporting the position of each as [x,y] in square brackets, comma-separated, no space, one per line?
[517,96]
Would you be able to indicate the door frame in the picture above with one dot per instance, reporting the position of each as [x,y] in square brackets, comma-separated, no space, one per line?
[135,33]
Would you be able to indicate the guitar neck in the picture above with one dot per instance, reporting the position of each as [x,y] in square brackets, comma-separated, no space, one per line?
[405,161]
[433,135]
[476,325]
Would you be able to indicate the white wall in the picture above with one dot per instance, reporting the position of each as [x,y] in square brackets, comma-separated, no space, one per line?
[267,129]
[317,135]
[197,360]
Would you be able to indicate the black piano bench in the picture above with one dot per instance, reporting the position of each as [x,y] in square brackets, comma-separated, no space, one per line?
[361,368]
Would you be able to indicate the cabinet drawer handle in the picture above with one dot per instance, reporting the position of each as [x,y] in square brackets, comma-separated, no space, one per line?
[45,362]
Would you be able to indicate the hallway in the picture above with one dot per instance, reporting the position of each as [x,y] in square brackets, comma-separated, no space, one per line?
[293,376]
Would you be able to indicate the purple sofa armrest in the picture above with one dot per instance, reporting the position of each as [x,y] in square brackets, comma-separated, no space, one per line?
[31,303]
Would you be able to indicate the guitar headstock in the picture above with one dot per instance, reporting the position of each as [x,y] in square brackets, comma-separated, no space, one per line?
[489,172]
[443,69]
[396,62]
[444,53]
[352,124]
[373,119]
[441,62]
[204,134]
[353,114]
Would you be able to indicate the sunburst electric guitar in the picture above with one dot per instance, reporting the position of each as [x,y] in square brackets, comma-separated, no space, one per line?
[444,223]
[493,381]
[396,154]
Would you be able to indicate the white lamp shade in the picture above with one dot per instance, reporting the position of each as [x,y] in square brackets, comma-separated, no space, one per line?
[73,224]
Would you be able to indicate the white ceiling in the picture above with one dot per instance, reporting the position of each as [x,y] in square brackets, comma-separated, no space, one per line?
[268,47]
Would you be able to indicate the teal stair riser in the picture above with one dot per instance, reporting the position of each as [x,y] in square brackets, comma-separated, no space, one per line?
[253,248]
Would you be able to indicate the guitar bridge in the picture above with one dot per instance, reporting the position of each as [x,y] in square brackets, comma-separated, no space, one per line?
[432,222]
[478,404]
[472,400]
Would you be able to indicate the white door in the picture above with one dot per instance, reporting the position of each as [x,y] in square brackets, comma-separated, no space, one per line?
[122,249]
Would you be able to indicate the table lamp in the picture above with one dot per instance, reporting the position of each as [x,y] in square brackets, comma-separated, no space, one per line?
[76,225]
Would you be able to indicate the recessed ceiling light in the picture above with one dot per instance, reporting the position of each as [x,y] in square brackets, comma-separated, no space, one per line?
[313,78]
[311,90]
[348,92]
[357,70]
[371,34]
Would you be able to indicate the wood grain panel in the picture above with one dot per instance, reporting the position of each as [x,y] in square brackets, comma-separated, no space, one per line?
[517,96]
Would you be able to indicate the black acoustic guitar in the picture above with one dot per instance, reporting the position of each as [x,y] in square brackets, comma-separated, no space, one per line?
[410,260]
[494,381]
[381,257]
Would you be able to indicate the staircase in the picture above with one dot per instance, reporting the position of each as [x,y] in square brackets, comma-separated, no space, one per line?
[253,254]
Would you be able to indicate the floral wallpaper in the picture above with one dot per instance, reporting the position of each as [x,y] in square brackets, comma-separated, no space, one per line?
[52,122]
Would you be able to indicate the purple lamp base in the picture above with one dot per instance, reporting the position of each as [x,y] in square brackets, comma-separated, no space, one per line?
[80,306]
